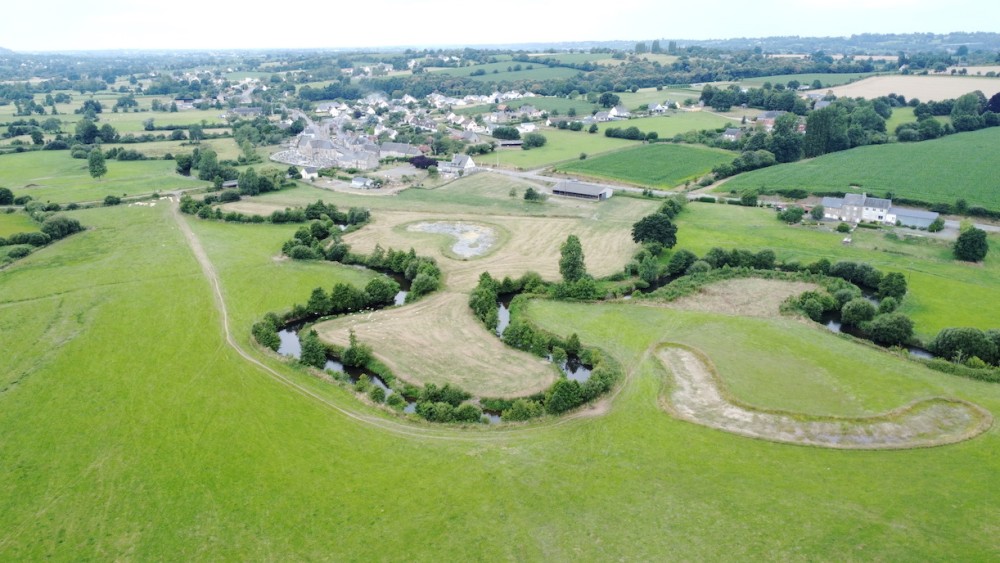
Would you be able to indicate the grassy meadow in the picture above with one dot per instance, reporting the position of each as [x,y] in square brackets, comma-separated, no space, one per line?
[942,170]
[129,429]
[650,96]
[943,292]
[826,79]
[55,176]
[673,123]
[561,145]
[660,165]
[499,71]
[11,223]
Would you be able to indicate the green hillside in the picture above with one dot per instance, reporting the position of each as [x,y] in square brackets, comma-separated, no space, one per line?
[940,171]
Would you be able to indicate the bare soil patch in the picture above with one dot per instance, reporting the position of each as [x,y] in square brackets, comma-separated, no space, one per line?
[438,340]
[749,297]
[925,88]
[698,396]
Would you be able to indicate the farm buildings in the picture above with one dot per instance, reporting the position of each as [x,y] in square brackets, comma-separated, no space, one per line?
[572,188]
[855,208]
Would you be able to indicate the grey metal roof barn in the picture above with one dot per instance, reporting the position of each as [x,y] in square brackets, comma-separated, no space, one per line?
[573,188]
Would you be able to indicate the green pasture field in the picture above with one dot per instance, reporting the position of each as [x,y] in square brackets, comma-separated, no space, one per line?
[562,105]
[224,148]
[826,79]
[659,165]
[905,115]
[672,123]
[57,177]
[478,194]
[11,223]
[561,145]
[571,58]
[539,72]
[131,430]
[649,96]
[942,170]
[899,116]
[133,122]
[943,292]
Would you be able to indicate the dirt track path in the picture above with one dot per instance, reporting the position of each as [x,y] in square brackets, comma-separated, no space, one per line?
[699,396]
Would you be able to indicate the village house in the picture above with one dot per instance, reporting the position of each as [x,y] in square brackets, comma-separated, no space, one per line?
[527,128]
[732,134]
[767,119]
[855,208]
[309,173]
[460,164]
[398,150]
[619,112]
[361,183]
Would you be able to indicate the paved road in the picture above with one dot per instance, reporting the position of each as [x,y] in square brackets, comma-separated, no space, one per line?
[537,176]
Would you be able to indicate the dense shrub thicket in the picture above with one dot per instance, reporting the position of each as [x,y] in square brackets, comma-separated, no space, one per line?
[53,228]
[565,394]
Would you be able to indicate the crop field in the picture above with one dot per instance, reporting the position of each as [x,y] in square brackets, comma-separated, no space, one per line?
[942,170]
[561,145]
[11,223]
[659,165]
[826,79]
[925,88]
[55,176]
[124,409]
[975,70]
[943,292]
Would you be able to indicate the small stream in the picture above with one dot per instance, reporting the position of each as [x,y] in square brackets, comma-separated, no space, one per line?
[404,286]
[290,346]
[831,320]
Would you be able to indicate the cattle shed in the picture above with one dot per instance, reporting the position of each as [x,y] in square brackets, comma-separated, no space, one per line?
[572,188]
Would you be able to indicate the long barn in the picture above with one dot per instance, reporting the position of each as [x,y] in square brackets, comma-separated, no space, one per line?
[572,188]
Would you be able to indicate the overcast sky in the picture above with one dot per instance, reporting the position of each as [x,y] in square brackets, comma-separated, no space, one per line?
[54,25]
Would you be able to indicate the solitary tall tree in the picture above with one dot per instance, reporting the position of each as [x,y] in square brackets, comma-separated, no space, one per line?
[655,228]
[96,164]
[571,264]
[971,245]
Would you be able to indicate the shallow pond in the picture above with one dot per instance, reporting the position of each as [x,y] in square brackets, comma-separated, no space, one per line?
[471,240]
